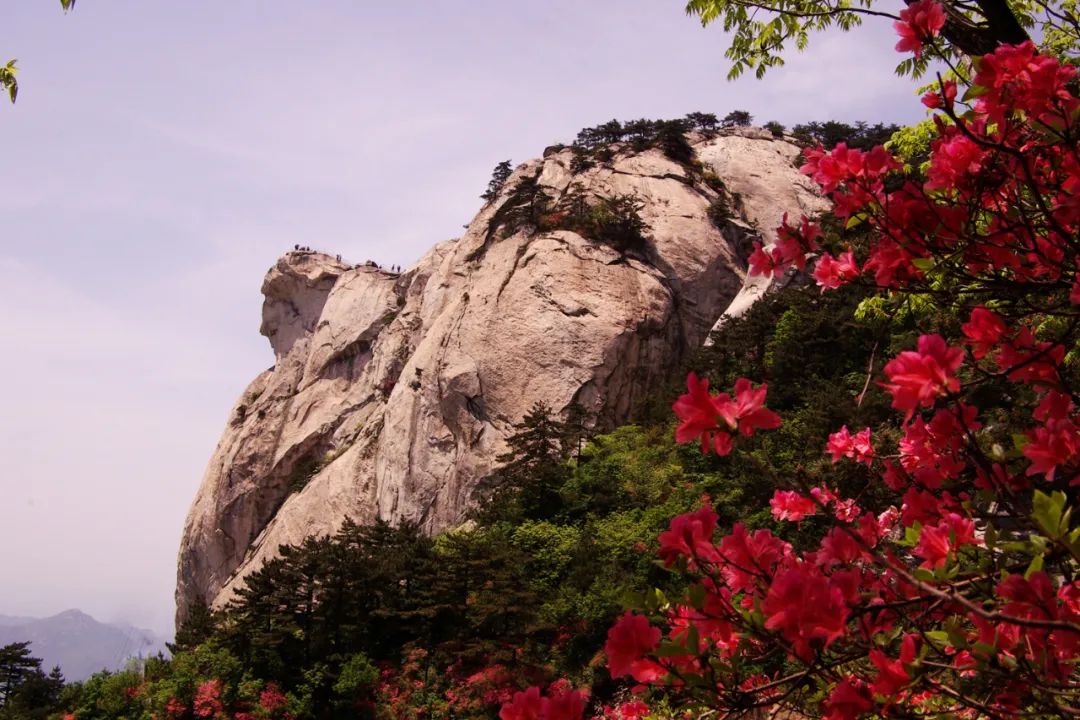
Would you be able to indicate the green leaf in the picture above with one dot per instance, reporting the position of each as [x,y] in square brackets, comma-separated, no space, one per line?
[938,637]
[669,649]
[855,220]
[1035,566]
[1049,512]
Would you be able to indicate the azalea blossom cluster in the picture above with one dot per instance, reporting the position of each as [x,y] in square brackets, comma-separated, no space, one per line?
[962,597]
[715,419]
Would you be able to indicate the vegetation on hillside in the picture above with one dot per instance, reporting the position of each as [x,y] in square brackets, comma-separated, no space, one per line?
[385,622]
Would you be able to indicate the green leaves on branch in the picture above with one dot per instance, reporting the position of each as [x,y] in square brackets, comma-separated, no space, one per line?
[758,44]
[8,83]
[7,79]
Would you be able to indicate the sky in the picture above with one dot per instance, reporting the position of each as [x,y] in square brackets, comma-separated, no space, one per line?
[162,155]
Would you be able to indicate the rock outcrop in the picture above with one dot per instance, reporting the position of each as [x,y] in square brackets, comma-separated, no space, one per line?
[392,394]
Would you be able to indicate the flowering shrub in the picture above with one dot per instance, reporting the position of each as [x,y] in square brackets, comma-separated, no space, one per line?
[962,598]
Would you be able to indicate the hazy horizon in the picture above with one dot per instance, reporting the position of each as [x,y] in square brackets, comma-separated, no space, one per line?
[162,156]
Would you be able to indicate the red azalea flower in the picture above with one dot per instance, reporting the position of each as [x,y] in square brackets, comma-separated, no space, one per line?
[690,536]
[765,263]
[919,22]
[920,377]
[565,705]
[807,610]
[698,410]
[892,674]
[848,700]
[790,505]
[830,273]
[525,705]
[747,412]
[1055,443]
[983,331]
[628,642]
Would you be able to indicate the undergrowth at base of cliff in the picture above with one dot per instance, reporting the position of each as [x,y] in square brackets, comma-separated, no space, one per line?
[383,622]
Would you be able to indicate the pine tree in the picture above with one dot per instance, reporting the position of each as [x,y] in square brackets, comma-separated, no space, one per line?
[199,625]
[499,176]
[670,135]
[16,666]
[737,118]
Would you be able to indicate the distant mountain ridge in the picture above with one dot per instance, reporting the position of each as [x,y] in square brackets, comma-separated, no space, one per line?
[78,643]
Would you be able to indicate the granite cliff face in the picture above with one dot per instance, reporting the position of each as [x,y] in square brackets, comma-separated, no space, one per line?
[392,394]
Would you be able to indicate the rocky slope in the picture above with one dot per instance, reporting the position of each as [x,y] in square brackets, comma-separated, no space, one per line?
[392,394]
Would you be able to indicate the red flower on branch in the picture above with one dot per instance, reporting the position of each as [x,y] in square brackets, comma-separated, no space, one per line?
[842,444]
[628,643]
[525,705]
[700,412]
[849,700]
[807,610]
[919,22]
[790,505]
[690,536]
[830,273]
[920,377]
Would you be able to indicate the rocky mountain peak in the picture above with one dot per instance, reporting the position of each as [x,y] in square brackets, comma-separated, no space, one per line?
[295,290]
[393,393]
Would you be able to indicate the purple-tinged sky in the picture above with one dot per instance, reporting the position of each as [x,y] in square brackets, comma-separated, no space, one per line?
[163,154]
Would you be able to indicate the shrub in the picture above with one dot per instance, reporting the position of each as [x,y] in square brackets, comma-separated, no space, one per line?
[616,222]
[719,212]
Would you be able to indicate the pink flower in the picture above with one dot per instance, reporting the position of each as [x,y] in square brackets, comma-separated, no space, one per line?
[697,410]
[945,97]
[174,708]
[690,536]
[831,272]
[208,699]
[983,331]
[794,242]
[525,705]
[628,642]
[569,705]
[920,377]
[790,505]
[699,413]
[271,698]
[765,263]
[919,22]
[747,412]
[848,700]
[937,542]
[807,610]
[892,674]
[1055,443]
[841,444]
[750,557]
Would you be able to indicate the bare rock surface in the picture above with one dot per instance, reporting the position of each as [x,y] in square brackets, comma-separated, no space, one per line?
[393,393]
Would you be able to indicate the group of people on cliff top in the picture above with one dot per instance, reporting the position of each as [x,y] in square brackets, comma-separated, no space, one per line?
[305,250]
